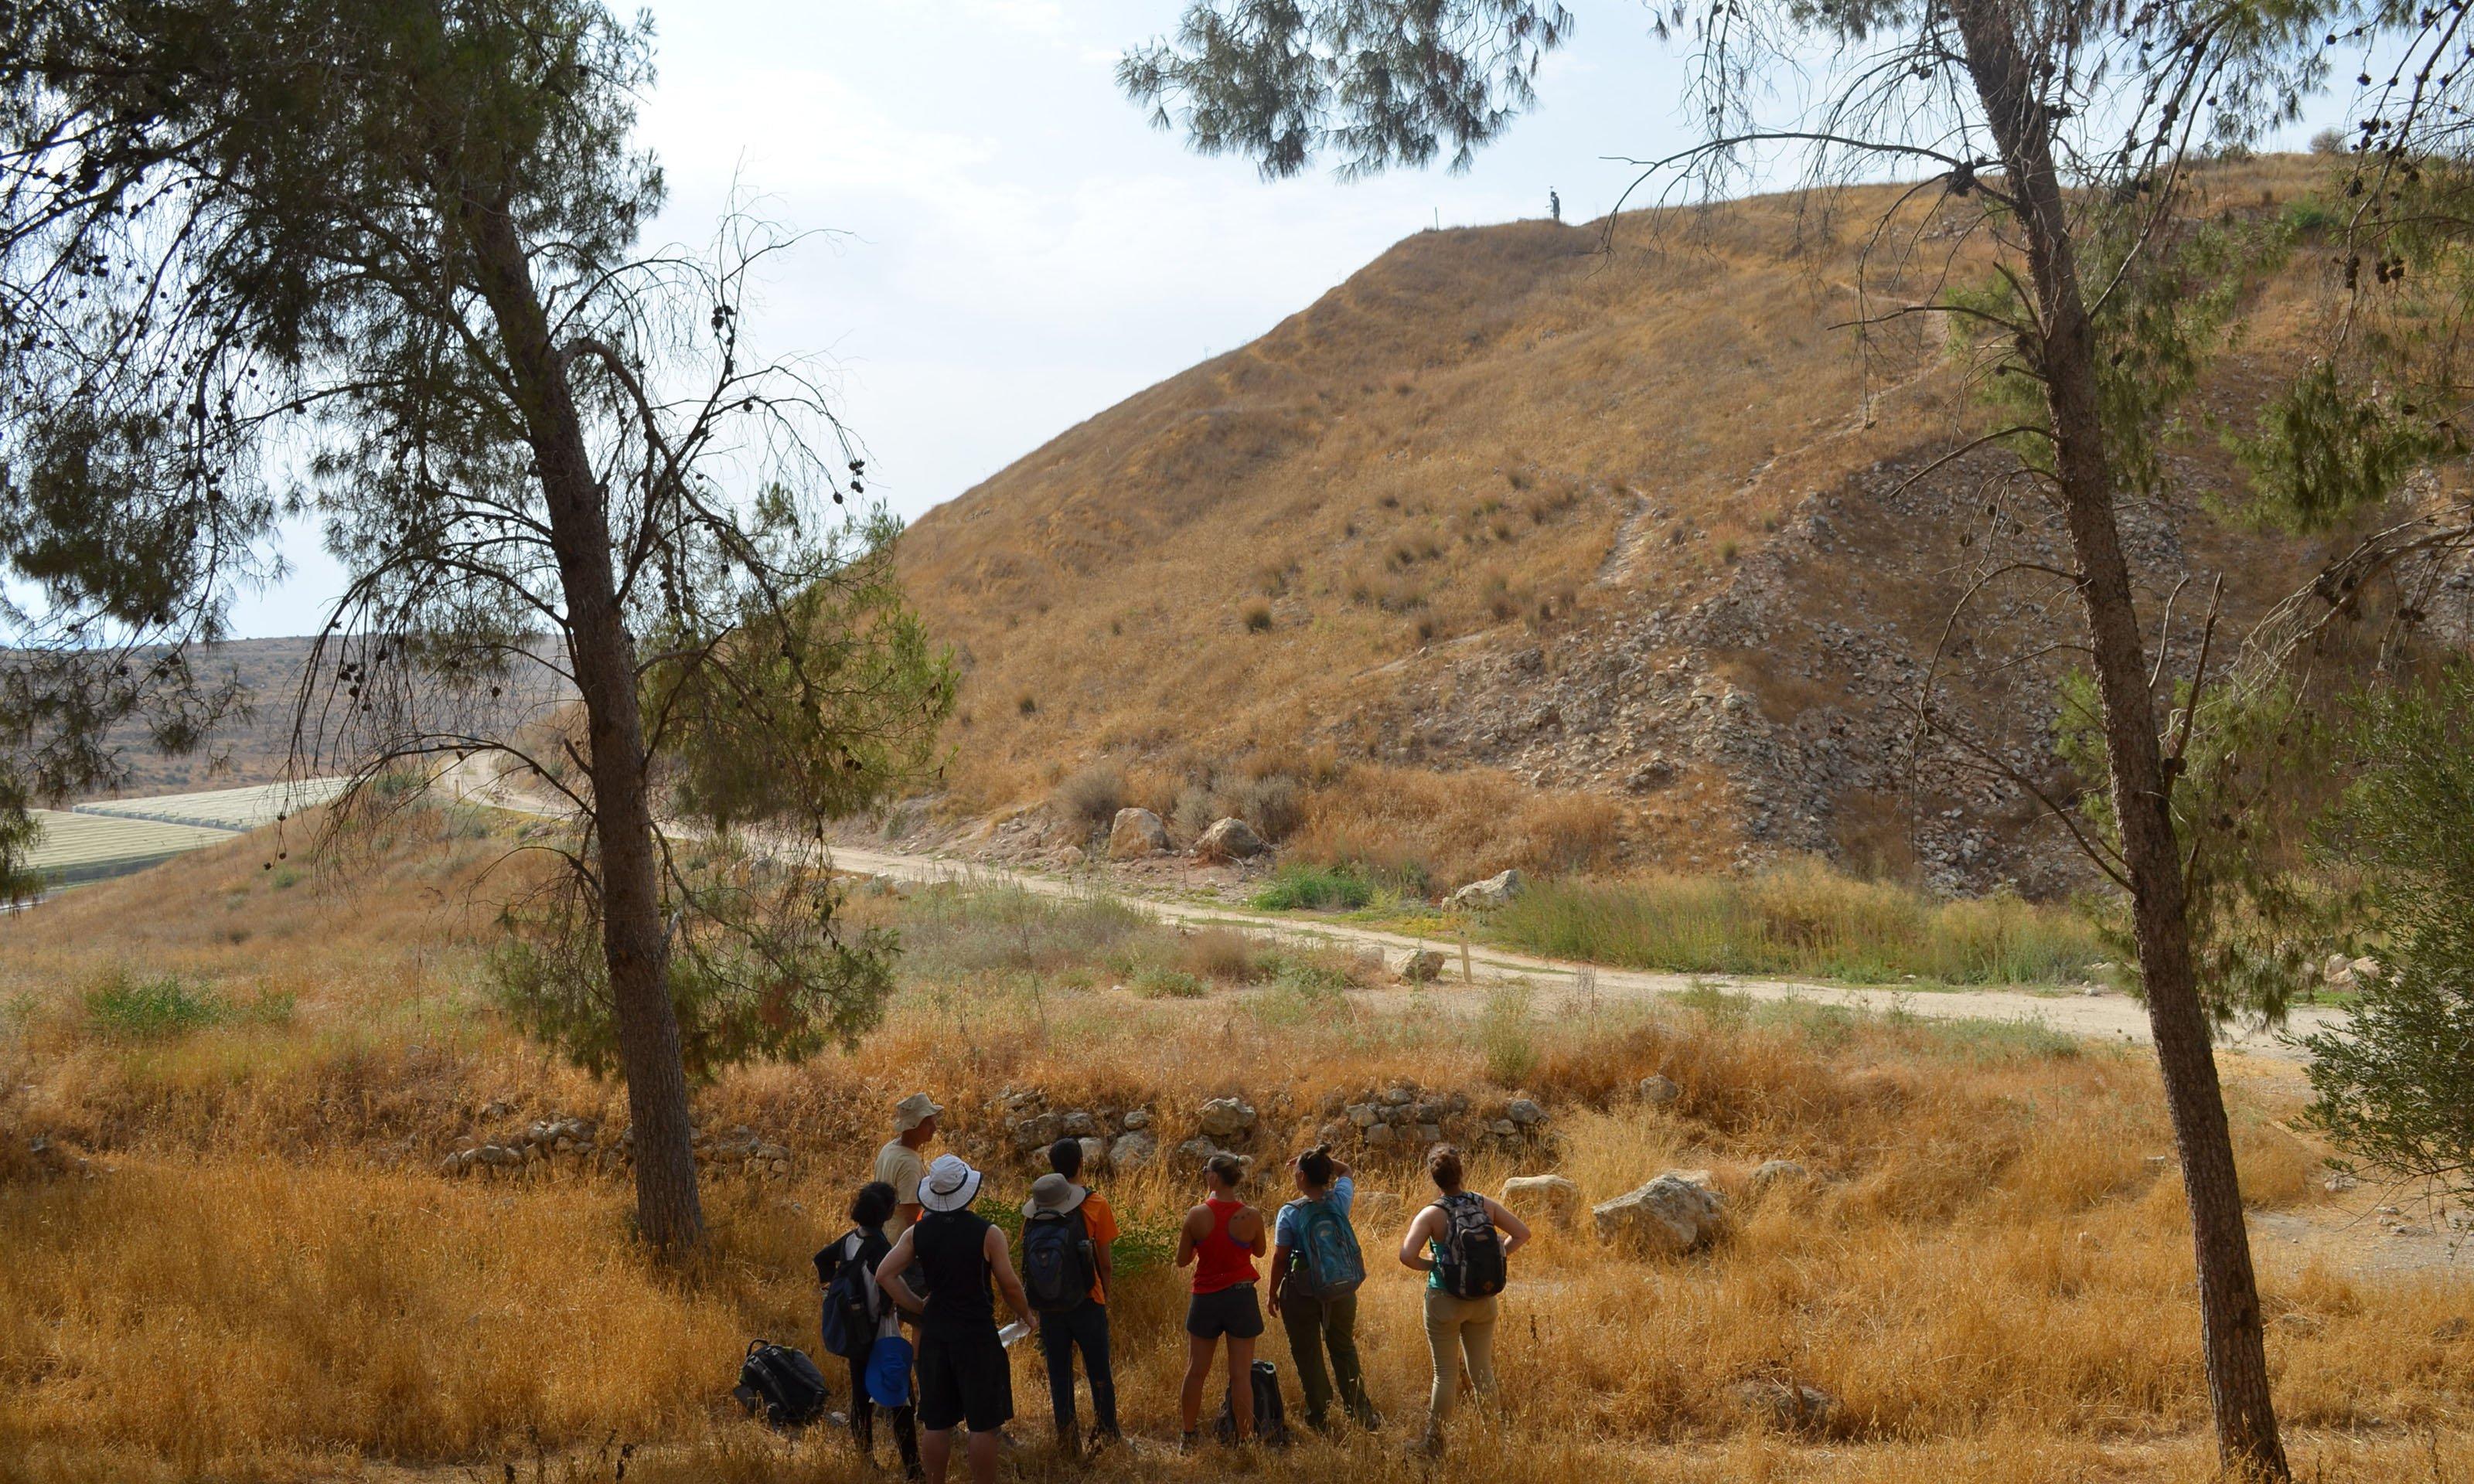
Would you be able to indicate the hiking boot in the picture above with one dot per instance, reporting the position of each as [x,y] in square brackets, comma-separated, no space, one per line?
[1187,1443]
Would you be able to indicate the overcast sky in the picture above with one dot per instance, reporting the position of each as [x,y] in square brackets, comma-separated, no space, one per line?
[1018,247]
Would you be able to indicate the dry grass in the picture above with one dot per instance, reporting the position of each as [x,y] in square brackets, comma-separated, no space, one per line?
[1438,830]
[271,1282]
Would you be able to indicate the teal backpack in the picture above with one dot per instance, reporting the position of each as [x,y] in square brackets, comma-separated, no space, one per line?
[1328,1265]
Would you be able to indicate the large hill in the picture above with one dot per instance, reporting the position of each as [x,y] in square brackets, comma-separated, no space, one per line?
[1528,514]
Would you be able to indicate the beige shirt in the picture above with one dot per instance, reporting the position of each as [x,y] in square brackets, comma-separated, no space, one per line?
[900,1166]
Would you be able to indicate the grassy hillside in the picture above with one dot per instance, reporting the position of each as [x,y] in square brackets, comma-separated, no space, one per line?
[1514,521]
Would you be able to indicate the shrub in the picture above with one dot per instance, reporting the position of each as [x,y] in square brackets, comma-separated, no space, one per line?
[1222,953]
[1093,796]
[133,1009]
[1504,1038]
[1258,617]
[1318,888]
[1802,918]
[1156,981]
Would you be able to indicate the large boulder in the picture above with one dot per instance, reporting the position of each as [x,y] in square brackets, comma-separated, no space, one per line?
[1135,834]
[1415,965]
[1230,839]
[1552,1196]
[1676,1212]
[1227,1118]
[1495,891]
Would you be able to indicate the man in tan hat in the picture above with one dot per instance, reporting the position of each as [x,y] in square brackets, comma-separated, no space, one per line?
[900,1164]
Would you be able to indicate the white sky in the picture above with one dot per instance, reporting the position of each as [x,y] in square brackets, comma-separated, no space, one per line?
[1021,248]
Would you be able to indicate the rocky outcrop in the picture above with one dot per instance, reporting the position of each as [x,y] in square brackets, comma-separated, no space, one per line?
[1230,839]
[1136,834]
[1495,891]
[1676,1212]
[1550,1196]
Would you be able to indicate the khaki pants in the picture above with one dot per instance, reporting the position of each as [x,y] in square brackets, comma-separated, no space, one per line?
[1458,1331]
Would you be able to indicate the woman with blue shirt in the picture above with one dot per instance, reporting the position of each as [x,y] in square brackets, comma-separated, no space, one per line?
[1317,1322]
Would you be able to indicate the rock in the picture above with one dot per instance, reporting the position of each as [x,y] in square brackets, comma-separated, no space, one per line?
[1495,891]
[1553,1194]
[1132,1150]
[1777,1172]
[1430,1133]
[1135,834]
[1676,1212]
[1504,1128]
[1525,1112]
[1080,1125]
[1038,1132]
[1657,1089]
[1788,1404]
[2365,971]
[1375,1208]
[1227,1117]
[1230,839]
[1381,1137]
[1135,1118]
[1415,965]
[1094,1152]
[2337,971]
[1398,1097]
[496,1155]
[1199,1152]
[1361,1113]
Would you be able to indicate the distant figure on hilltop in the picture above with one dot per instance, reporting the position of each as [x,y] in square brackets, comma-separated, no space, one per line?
[1554,205]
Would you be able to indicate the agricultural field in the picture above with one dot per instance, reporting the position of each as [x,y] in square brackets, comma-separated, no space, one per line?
[106,838]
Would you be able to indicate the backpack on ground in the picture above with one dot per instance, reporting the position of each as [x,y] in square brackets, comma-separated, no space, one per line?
[1469,1257]
[1328,1265]
[850,1319]
[780,1384]
[1270,1417]
[1056,1260]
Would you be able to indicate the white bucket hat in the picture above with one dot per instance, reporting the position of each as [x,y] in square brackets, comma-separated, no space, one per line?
[914,1111]
[950,1184]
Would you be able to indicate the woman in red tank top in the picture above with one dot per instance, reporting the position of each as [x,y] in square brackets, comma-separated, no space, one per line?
[1222,1237]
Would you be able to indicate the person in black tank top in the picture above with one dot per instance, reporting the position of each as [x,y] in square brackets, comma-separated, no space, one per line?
[963,1377]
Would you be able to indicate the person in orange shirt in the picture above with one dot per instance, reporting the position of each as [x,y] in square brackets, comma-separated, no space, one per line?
[1084,1325]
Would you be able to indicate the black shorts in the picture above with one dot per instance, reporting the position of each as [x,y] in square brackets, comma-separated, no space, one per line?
[964,1381]
[1231,1311]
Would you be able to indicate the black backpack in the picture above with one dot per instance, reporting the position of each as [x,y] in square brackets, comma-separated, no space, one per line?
[780,1384]
[850,1321]
[1271,1418]
[1470,1255]
[1056,1260]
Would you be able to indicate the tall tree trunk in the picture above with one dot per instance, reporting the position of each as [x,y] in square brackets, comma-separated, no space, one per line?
[667,1212]
[2238,1384]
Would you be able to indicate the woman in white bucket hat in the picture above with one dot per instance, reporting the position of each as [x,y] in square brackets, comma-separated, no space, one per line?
[965,1379]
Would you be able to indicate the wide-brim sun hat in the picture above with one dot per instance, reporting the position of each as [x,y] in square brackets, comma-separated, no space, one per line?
[1055,1192]
[914,1111]
[950,1184]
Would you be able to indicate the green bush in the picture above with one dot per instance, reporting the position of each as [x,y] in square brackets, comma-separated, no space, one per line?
[128,1007]
[1504,1038]
[1155,981]
[1802,919]
[1319,888]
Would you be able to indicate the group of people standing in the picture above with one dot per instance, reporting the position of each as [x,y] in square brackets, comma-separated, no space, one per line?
[919,1259]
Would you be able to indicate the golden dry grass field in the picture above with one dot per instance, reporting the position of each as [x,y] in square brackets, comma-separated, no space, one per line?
[262,1274]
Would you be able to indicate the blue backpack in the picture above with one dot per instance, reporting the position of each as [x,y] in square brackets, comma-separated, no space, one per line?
[1328,1265]
[850,1320]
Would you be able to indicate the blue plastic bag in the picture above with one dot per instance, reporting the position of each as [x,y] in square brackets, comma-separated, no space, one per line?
[888,1371]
